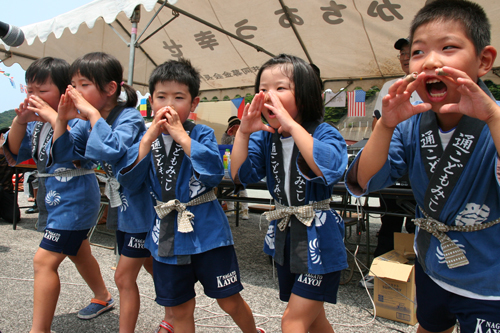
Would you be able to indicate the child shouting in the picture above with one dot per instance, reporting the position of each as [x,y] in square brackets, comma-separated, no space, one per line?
[449,147]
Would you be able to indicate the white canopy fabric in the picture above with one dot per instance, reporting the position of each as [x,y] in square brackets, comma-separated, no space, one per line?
[228,40]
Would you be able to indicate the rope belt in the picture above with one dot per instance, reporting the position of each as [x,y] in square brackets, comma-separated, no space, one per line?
[111,189]
[454,256]
[184,217]
[304,214]
[67,173]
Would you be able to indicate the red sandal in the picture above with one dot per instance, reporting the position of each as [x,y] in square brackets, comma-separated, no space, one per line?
[166,325]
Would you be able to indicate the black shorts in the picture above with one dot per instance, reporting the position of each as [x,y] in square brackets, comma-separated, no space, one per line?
[439,309]
[132,245]
[217,270]
[317,287]
[67,242]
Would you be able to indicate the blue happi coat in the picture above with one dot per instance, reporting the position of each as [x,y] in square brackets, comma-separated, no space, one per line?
[65,203]
[198,174]
[326,251]
[109,144]
[475,199]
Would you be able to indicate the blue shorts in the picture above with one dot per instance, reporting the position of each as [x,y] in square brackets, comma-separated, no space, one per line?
[317,287]
[217,270]
[67,242]
[132,245]
[438,309]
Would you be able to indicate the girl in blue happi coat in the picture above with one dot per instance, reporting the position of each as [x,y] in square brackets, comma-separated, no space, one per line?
[68,193]
[301,159]
[112,128]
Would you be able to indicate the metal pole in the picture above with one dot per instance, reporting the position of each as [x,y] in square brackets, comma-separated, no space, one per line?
[136,16]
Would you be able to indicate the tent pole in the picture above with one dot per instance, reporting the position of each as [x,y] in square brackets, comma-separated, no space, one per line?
[136,16]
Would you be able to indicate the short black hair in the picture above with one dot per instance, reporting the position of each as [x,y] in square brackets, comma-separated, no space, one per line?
[307,85]
[55,68]
[180,71]
[102,68]
[4,130]
[469,14]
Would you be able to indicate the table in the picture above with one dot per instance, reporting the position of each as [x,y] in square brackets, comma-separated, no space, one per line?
[402,194]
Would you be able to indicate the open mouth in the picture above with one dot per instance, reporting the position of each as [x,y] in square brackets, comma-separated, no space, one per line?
[436,88]
[270,113]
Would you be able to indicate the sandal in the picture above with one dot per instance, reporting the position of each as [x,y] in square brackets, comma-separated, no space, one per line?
[95,308]
[166,325]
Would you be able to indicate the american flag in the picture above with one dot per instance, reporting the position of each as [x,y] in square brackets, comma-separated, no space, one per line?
[356,103]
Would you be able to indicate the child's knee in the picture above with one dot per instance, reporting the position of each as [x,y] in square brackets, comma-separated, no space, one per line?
[288,318]
[42,261]
[231,304]
[184,311]
[124,280]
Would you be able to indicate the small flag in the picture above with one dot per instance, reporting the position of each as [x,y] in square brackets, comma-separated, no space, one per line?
[356,103]
[143,107]
[239,102]
[12,82]
[23,89]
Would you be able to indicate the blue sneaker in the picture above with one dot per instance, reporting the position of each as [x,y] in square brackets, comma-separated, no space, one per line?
[95,308]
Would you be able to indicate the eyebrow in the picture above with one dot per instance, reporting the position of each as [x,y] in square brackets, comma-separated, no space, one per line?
[175,93]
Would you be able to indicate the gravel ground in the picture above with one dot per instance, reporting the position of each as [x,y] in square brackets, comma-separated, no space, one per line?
[353,313]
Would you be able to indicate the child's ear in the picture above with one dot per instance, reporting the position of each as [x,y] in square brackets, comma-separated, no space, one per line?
[487,58]
[111,88]
[194,103]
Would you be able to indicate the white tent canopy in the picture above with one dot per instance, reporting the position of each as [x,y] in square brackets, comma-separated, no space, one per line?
[228,40]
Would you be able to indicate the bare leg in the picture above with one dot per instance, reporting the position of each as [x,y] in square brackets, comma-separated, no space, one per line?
[303,315]
[184,316]
[130,301]
[169,318]
[46,289]
[239,310]
[89,270]
[148,265]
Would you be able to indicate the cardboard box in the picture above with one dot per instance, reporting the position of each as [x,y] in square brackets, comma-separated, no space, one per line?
[394,290]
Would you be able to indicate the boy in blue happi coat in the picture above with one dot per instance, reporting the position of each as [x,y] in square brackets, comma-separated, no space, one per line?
[449,146]
[190,240]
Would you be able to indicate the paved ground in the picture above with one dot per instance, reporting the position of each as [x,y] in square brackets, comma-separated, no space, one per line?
[353,313]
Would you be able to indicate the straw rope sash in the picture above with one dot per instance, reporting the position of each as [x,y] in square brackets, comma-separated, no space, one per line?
[454,256]
[184,216]
[66,173]
[305,214]
[111,189]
